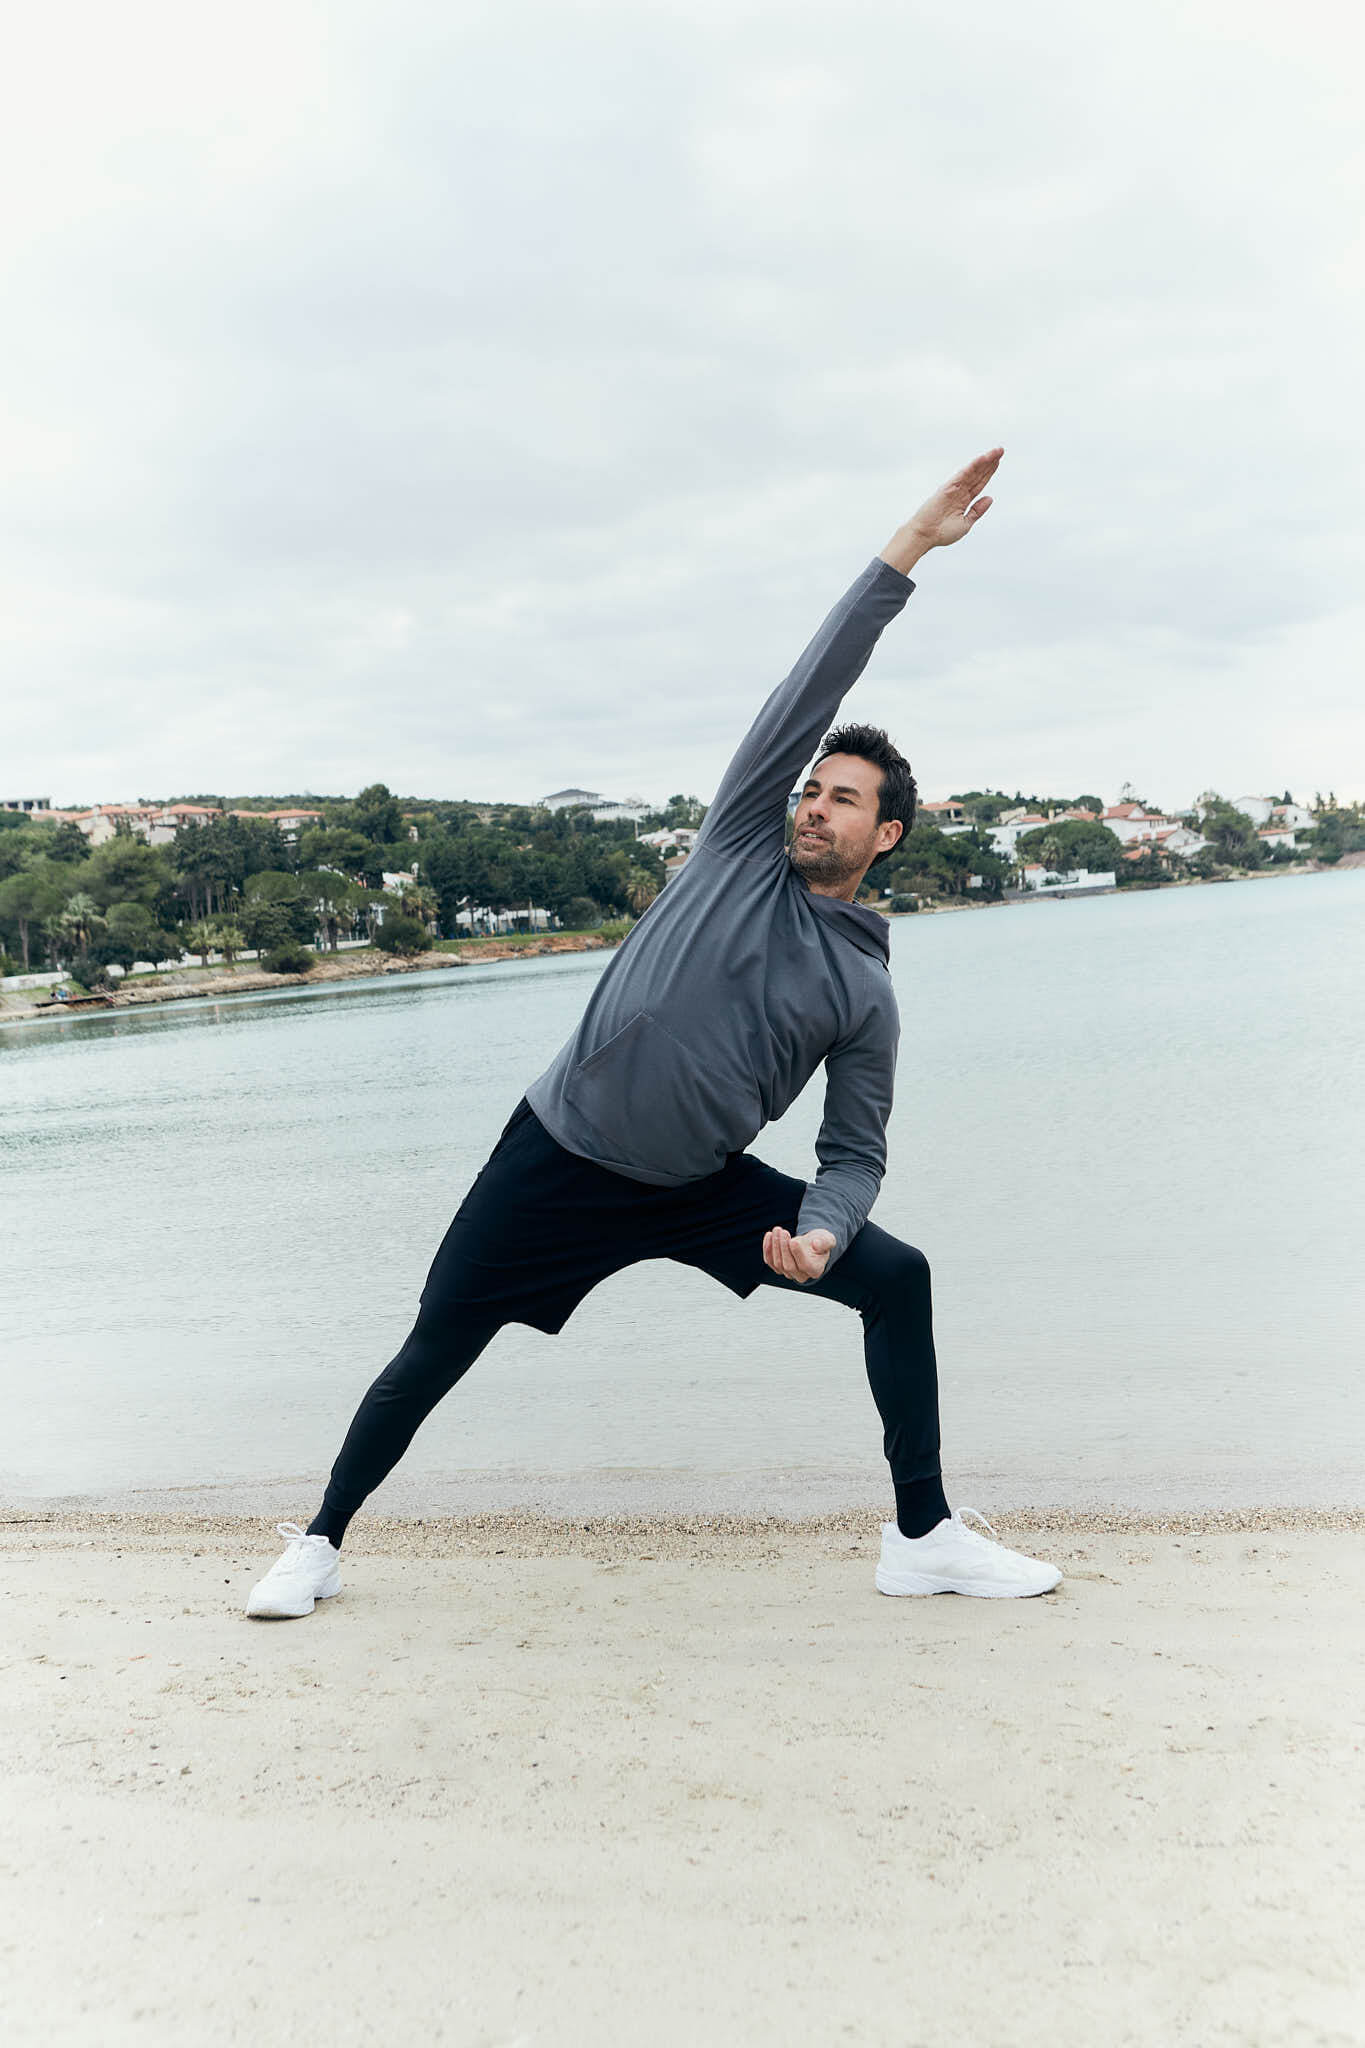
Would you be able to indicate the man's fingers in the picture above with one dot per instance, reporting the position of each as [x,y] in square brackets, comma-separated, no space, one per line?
[797,1258]
[965,485]
[982,505]
[783,1258]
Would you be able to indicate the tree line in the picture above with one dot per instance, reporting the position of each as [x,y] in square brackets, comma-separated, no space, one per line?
[236,883]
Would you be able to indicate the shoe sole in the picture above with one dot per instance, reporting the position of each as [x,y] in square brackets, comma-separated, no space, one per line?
[911,1583]
[277,1613]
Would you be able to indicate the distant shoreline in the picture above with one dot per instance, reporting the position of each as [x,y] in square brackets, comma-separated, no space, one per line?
[975,901]
[332,968]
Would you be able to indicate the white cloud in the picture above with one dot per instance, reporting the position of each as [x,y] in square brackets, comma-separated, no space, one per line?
[486,400]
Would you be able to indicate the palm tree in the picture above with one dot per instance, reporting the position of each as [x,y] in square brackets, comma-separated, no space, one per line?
[229,939]
[641,889]
[201,938]
[416,900]
[79,919]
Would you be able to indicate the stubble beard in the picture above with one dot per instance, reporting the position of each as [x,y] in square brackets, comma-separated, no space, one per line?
[823,863]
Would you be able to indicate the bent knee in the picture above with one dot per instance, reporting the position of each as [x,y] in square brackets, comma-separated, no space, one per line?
[890,1267]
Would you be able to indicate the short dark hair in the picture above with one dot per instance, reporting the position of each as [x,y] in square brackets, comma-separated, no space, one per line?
[898,793]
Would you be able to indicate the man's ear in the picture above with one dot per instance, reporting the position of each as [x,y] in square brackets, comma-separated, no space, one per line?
[895,828]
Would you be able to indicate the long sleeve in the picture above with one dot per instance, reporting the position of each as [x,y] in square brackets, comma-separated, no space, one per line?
[749,813]
[851,1148]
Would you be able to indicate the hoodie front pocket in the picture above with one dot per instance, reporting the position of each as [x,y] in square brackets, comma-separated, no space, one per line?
[652,1105]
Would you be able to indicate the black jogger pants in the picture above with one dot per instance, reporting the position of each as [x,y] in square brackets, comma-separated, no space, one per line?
[541,1227]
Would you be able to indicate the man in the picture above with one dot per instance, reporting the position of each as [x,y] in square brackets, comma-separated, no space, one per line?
[755,965]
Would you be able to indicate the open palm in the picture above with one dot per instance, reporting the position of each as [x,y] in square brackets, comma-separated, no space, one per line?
[956,506]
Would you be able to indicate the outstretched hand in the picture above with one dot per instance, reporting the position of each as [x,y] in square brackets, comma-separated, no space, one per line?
[798,1258]
[952,511]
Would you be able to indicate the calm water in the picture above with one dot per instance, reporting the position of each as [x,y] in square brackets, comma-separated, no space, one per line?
[1128,1134]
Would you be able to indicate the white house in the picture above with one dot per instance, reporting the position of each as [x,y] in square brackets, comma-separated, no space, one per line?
[673,839]
[1257,808]
[1133,822]
[630,807]
[481,919]
[1006,835]
[1178,839]
[1067,881]
[565,799]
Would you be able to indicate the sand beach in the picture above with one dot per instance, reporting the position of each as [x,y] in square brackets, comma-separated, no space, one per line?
[682,1780]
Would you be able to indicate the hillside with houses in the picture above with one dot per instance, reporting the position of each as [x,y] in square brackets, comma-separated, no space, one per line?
[104,890]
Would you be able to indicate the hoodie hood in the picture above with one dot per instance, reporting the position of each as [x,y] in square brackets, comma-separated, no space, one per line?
[867,929]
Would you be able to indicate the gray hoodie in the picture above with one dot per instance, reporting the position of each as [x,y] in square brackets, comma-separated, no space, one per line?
[738,981]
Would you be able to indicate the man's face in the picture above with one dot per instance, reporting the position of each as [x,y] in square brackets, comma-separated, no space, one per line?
[836,834]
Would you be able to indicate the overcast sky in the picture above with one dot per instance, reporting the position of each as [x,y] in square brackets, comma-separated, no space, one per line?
[484,399]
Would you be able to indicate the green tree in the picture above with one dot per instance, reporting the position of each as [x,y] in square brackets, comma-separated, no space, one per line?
[268,926]
[201,937]
[376,814]
[399,934]
[23,844]
[1149,871]
[286,893]
[290,958]
[1230,832]
[78,922]
[125,868]
[1076,844]
[928,862]
[344,849]
[1340,829]
[335,899]
[69,843]
[229,939]
[579,913]
[679,810]
[641,889]
[29,898]
[133,928]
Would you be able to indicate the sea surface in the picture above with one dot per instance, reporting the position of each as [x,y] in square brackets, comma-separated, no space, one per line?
[1129,1134]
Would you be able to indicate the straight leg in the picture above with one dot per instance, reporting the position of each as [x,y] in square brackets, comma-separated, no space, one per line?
[537,1230]
[440,1348]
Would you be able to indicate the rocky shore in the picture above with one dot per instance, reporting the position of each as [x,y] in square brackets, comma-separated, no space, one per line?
[330,968]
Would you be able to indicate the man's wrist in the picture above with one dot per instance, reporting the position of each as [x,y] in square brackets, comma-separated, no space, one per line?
[906,547]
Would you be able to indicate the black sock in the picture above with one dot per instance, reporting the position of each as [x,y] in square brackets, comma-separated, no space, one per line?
[330,1526]
[920,1505]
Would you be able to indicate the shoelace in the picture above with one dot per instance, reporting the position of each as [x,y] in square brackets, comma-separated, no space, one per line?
[293,1532]
[976,1513]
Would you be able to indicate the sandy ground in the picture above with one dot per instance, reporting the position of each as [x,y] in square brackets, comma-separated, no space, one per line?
[681,1782]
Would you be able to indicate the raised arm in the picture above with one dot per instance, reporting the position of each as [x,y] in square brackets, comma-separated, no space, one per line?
[749,813]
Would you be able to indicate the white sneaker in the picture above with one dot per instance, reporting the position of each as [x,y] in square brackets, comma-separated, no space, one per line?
[954,1559]
[309,1571]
